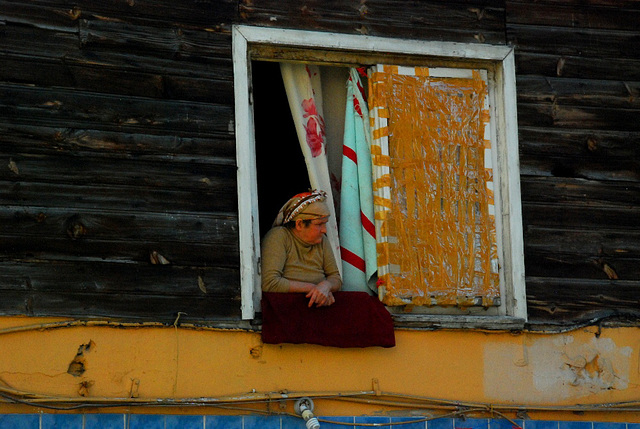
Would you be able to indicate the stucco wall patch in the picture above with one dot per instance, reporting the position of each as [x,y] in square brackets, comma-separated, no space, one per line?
[559,367]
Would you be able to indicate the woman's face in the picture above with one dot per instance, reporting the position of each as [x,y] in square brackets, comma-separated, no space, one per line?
[313,233]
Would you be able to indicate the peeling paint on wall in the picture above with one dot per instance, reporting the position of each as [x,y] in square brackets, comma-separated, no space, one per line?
[597,366]
[77,367]
[558,367]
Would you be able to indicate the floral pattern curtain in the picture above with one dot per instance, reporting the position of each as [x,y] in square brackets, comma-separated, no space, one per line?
[304,92]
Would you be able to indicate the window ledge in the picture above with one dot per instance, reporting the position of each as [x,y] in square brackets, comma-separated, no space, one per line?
[434,322]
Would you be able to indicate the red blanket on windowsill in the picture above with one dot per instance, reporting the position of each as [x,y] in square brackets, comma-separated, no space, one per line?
[356,319]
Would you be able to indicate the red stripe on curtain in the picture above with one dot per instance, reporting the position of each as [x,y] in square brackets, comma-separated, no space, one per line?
[368,225]
[353,259]
[350,153]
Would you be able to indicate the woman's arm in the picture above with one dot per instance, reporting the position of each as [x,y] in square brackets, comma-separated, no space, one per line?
[322,294]
[273,258]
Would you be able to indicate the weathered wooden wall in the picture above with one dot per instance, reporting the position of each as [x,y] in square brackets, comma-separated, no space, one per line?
[578,84]
[116,140]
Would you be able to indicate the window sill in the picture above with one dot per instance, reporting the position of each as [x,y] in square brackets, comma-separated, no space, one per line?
[430,323]
[435,322]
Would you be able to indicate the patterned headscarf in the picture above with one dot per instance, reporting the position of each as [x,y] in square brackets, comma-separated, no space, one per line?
[307,205]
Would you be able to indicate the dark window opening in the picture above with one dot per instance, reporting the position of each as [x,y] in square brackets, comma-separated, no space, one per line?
[280,164]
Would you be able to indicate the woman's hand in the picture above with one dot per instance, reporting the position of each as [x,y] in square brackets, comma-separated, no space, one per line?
[321,294]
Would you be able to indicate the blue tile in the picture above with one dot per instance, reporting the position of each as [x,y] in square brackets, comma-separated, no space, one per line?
[440,424]
[104,421]
[633,425]
[291,422]
[471,424]
[602,425]
[416,425]
[541,424]
[19,421]
[374,419]
[255,421]
[145,421]
[62,421]
[338,419]
[183,422]
[223,422]
[505,424]
[575,425]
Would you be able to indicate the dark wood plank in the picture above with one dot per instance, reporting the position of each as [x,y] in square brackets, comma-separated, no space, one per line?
[131,199]
[51,107]
[61,47]
[85,170]
[572,266]
[215,16]
[209,89]
[118,279]
[161,309]
[56,56]
[581,216]
[134,307]
[528,63]
[573,300]
[54,39]
[40,71]
[455,21]
[595,144]
[177,253]
[117,290]
[61,234]
[31,14]
[578,117]
[53,141]
[471,22]
[595,243]
[582,15]
[187,43]
[578,92]
[557,244]
[622,4]
[65,74]
[580,168]
[46,233]
[105,225]
[192,44]
[574,41]
[580,192]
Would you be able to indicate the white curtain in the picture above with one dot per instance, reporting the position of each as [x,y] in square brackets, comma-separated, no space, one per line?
[304,92]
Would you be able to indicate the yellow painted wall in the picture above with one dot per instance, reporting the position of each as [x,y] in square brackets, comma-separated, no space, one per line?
[535,370]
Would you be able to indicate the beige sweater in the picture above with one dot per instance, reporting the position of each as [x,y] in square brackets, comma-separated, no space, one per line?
[285,257]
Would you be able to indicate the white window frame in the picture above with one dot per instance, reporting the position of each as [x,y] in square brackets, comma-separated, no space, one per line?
[513,312]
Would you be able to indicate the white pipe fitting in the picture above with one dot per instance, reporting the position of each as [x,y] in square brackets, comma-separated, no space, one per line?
[304,408]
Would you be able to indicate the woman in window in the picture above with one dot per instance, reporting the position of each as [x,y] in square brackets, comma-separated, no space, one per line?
[296,255]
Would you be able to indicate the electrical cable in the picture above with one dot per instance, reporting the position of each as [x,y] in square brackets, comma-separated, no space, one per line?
[254,410]
[401,401]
